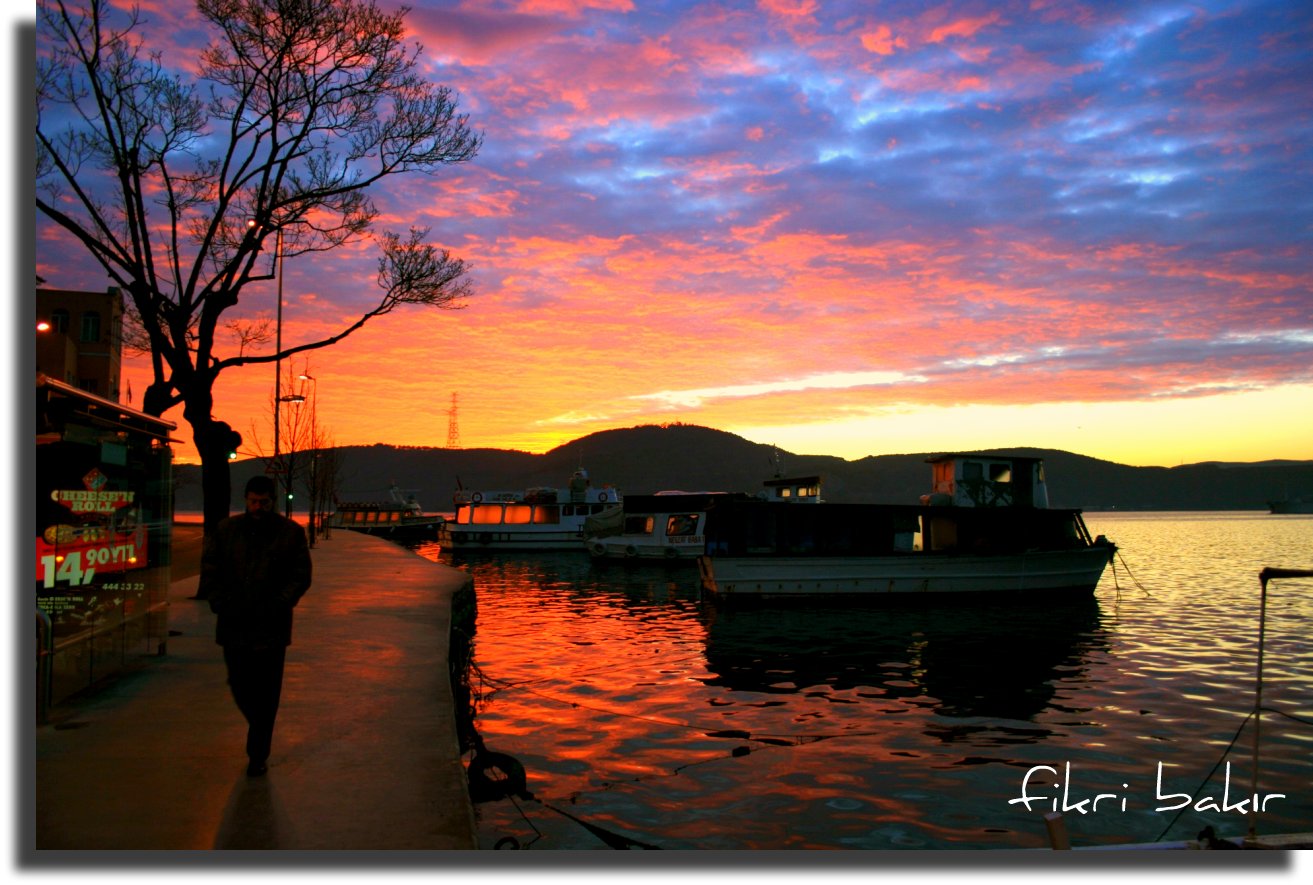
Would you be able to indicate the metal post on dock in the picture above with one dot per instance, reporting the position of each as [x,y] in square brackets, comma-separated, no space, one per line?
[1264,576]
[1057,827]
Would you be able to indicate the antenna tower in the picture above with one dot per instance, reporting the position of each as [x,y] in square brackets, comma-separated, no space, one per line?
[453,428]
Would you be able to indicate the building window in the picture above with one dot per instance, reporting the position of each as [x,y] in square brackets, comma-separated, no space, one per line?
[59,320]
[91,326]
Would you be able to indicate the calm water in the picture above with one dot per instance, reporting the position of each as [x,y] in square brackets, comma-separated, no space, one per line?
[641,713]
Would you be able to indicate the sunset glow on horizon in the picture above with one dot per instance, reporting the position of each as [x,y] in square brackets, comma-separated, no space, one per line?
[844,229]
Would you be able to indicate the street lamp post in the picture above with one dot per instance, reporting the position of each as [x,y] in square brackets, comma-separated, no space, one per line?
[278,360]
[310,418]
[297,429]
[278,354]
[295,399]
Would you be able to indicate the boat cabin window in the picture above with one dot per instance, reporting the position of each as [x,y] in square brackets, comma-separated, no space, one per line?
[638,525]
[784,492]
[682,524]
[518,514]
[1000,473]
[485,514]
[549,514]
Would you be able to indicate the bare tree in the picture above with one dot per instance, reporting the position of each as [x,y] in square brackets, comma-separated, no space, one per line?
[323,476]
[177,185]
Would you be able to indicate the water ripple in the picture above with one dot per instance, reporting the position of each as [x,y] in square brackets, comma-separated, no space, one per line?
[898,729]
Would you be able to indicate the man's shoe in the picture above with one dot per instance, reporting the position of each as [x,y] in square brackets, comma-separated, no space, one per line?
[255,769]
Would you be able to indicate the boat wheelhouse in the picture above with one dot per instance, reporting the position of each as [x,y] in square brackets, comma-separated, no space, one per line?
[533,519]
[669,526]
[985,527]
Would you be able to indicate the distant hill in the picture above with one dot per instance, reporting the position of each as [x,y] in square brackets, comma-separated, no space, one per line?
[642,460]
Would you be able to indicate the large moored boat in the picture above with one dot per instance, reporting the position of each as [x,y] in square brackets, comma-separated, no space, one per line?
[533,519]
[985,527]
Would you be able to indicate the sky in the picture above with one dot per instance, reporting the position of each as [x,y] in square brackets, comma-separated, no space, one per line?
[843,228]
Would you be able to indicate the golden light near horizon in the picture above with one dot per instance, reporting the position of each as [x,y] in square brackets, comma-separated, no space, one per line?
[1242,427]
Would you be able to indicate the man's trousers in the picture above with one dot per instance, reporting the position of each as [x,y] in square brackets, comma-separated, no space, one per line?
[255,676]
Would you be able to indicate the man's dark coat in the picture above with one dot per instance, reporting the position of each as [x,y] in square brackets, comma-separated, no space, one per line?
[253,572]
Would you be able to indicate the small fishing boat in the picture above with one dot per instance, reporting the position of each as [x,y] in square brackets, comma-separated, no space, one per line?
[668,526]
[533,519]
[399,519]
[985,527]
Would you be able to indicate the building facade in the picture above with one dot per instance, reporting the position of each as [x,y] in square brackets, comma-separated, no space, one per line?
[80,339]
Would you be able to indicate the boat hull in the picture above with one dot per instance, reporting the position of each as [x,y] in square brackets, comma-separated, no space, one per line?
[413,533]
[621,550]
[1066,573]
[460,538]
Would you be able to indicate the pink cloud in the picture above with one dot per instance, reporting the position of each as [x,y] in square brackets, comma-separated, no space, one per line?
[882,41]
[963,27]
[790,8]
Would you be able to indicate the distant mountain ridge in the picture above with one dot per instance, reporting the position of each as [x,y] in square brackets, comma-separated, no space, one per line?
[651,458]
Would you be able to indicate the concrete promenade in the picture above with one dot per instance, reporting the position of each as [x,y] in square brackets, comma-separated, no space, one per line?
[365,752]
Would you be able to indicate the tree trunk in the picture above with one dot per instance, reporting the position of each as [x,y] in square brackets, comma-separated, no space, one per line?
[216,442]
[216,482]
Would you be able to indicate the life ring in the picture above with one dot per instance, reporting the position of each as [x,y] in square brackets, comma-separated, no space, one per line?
[476,497]
[598,549]
[601,496]
[631,550]
[672,553]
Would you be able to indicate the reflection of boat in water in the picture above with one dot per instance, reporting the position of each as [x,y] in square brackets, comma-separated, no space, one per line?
[986,527]
[400,519]
[668,526]
[534,519]
[962,661]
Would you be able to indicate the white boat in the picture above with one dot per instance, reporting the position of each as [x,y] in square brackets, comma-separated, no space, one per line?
[986,527]
[668,526]
[399,519]
[533,519]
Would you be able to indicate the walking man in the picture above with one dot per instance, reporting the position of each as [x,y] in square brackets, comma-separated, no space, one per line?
[254,569]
